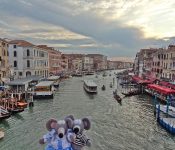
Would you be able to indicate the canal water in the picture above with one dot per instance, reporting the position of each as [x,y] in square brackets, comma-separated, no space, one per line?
[130,126]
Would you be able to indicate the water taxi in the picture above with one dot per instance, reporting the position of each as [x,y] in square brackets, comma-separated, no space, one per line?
[90,86]
[44,89]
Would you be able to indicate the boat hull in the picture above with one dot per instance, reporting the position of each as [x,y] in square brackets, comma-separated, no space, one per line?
[43,96]
[89,91]
[5,116]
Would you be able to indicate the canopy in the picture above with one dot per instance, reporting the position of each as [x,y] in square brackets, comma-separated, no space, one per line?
[161,89]
[140,80]
[167,84]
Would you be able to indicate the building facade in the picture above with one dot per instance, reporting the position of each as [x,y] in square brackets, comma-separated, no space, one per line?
[4,64]
[88,63]
[77,64]
[100,61]
[28,59]
[55,66]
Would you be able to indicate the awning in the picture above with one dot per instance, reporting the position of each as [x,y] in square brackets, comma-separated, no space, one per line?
[167,84]
[140,80]
[161,89]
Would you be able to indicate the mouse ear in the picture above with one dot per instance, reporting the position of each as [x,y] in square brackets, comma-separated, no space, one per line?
[87,123]
[71,117]
[51,124]
[69,123]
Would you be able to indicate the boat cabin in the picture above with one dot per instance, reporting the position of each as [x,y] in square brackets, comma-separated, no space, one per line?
[44,89]
[90,86]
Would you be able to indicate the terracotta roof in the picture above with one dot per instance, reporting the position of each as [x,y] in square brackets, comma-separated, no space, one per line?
[50,49]
[3,40]
[94,55]
[21,43]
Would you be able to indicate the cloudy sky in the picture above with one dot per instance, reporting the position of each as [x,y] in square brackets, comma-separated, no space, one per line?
[111,27]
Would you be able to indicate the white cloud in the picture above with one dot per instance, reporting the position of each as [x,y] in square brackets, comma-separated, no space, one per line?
[115,27]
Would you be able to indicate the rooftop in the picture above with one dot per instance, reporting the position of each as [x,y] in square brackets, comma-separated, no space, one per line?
[21,43]
[23,81]
[45,83]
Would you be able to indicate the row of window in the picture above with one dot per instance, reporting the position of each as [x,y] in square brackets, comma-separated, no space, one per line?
[39,73]
[164,56]
[15,64]
[38,54]
[165,65]
[41,63]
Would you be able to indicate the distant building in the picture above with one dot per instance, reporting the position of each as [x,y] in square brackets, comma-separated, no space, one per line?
[55,61]
[73,59]
[77,64]
[28,59]
[143,62]
[4,64]
[64,63]
[100,61]
[88,63]
[119,65]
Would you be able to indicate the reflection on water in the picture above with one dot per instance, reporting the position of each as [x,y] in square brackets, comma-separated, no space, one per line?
[130,126]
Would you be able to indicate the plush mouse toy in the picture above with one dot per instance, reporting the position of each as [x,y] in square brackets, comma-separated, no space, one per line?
[57,137]
[79,139]
[48,138]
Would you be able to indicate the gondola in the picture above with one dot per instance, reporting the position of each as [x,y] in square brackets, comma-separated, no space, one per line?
[116,96]
[131,93]
[110,85]
[103,88]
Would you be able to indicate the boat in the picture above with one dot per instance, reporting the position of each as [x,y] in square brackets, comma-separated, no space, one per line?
[110,85]
[168,122]
[104,74]
[55,79]
[131,93]
[2,134]
[170,110]
[44,89]
[90,73]
[90,86]
[116,96]
[4,114]
[103,88]
[78,74]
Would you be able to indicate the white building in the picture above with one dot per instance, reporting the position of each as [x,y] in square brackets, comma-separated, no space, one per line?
[27,59]
[77,64]
[88,63]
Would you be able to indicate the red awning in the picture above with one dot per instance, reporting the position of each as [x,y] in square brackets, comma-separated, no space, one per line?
[141,80]
[161,89]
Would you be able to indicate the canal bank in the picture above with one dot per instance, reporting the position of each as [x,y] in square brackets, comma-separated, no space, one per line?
[128,126]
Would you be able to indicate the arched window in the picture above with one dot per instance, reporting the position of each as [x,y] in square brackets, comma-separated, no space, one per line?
[28,63]
[28,73]
[169,76]
[15,54]
[28,52]
[15,63]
